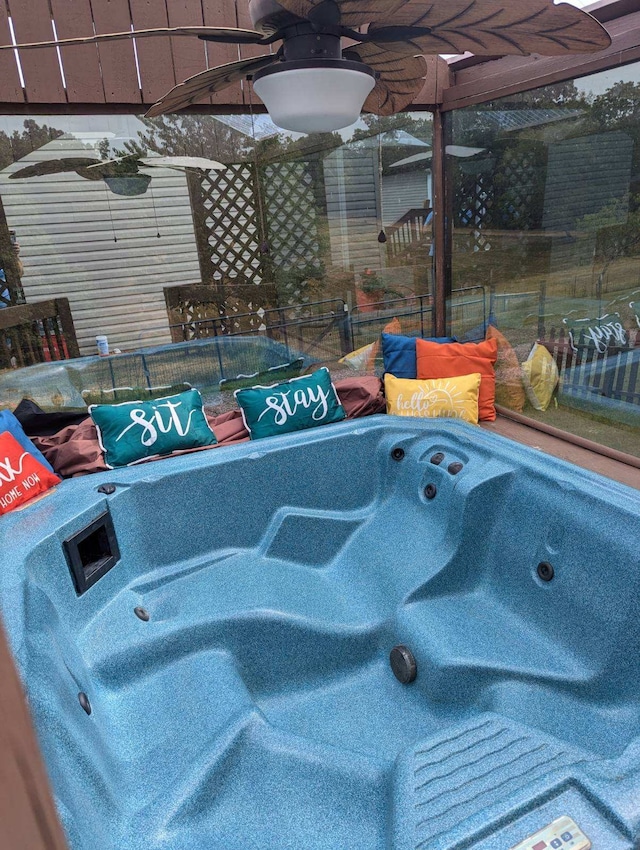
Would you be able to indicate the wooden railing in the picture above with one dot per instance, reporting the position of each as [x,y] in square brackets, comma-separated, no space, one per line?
[37,333]
[409,235]
[192,307]
[613,373]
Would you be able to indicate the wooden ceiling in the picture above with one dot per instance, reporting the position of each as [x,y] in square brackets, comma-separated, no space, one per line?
[88,74]
[83,78]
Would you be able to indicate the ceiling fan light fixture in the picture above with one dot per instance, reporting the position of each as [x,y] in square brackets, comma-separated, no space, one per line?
[314,95]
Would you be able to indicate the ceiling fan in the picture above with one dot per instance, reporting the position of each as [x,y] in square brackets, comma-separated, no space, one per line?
[122,175]
[314,82]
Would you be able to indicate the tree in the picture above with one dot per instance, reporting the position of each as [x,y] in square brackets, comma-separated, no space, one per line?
[618,108]
[422,128]
[12,149]
[557,95]
[18,145]
[283,148]
[191,135]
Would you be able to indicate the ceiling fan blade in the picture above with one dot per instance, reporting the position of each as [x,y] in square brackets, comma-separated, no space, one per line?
[212,80]
[229,35]
[353,13]
[53,166]
[131,158]
[399,79]
[182,162]
[491,27]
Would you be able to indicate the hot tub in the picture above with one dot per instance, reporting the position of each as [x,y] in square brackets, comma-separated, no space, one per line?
[205,646]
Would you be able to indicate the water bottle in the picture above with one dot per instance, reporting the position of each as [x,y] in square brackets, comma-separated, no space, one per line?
[103,346]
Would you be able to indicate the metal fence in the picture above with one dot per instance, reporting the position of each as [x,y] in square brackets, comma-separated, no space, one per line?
[329,329]
[319,327]
[414,313]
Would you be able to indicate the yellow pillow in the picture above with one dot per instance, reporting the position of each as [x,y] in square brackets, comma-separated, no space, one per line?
[540,377]
[362,358]
[365,358]
[454,398]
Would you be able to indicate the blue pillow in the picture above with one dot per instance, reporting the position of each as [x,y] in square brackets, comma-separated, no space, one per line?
[399,354]
[8,422]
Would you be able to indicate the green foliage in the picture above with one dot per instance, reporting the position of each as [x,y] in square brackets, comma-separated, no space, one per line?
[618,108]
[190,135]
[269,376]
[283,148]
[421,128]
[16,146]
[503,188]
[389,128]
[104,149]
[299,277]
[118,396]
[557,95]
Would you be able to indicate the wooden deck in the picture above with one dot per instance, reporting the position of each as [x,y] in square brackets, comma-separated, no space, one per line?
[527,432]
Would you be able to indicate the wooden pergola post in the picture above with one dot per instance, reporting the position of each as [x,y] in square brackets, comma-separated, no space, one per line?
[28,819]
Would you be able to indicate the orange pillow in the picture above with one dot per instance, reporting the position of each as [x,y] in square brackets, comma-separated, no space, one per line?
[392,327]
[452,359]
[509,387]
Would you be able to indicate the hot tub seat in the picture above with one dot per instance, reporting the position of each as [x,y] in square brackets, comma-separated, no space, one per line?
[256,708]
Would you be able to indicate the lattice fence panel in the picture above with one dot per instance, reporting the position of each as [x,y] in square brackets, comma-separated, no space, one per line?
[518,186]
[293,213]
[502,195]
[233,224]
[230,233]
[473,210]
[230,216]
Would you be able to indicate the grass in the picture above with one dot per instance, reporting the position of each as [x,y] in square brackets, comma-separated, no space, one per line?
[623,438]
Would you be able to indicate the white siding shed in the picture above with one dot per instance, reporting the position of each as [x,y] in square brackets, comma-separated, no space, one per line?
[100,250]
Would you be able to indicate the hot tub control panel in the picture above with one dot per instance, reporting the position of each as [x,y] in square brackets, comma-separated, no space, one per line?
[562,834]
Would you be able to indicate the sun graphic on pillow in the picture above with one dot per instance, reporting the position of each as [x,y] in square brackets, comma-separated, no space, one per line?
[446,399]
[453,398]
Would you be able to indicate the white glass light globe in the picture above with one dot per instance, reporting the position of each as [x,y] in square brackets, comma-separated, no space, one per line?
[314,100]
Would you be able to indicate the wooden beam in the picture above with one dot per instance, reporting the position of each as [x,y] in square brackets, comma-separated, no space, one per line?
[32,22]
[119,75]
[437,79]
[27,813]
[81,64]
[512,74]
[10,86]
[155,58]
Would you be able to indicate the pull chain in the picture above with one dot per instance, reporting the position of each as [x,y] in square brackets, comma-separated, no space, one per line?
[382,236]
[155,214]
[113,227]
[264,245]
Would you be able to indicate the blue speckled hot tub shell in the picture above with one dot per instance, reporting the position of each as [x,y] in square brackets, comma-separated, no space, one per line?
[256,709]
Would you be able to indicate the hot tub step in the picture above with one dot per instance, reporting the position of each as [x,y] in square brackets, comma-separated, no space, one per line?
[449,787]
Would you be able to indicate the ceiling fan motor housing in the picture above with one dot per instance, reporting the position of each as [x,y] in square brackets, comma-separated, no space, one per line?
[311,88]
[269,16]
[300,41]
